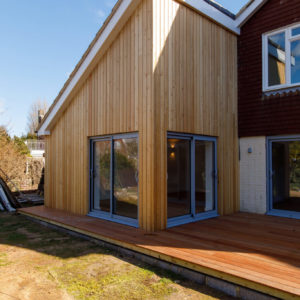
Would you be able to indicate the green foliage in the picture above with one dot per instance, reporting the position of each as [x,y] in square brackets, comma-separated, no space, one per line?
[30,136]
[294,160]
[21,146]
[121,160]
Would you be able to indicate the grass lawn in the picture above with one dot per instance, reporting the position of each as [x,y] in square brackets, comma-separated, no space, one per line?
[40,263]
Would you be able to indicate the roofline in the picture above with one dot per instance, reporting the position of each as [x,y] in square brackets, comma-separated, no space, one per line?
[248,11]
[109,25]
[221,8]
[214,12]
[206,7]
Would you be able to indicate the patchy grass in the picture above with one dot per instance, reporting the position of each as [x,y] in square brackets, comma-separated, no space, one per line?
[47,264]
[96,276]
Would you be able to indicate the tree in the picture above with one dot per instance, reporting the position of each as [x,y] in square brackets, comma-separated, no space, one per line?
[21,146]
[12,160]
[36,108]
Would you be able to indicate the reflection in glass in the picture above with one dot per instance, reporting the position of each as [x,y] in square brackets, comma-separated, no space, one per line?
[204,176]
[286,175]
[126,177]
[179,178]
[276,59]
[295,61]
[101,178]
[296,31]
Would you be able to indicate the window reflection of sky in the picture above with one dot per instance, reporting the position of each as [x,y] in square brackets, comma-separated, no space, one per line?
[279,40]
[295,31]
[295,68]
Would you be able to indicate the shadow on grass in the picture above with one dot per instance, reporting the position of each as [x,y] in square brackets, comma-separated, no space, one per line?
[79,255]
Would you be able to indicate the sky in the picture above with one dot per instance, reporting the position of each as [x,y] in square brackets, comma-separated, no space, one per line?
[41,42]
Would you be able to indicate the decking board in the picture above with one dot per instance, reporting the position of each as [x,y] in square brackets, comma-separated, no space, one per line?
[253,253]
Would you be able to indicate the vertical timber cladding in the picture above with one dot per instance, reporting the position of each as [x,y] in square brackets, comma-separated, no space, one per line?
[169,69]
[195,91]
[115,98]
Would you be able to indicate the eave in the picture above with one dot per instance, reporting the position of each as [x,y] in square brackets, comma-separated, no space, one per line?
[110,29]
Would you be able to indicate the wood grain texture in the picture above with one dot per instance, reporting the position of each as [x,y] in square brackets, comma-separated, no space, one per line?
[259,252]
[112,100]
[195,91]
[169,69]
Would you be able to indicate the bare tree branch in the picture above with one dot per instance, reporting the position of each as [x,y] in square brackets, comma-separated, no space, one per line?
[39,106]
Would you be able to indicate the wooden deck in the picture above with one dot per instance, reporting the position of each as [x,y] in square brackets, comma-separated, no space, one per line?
[254,251]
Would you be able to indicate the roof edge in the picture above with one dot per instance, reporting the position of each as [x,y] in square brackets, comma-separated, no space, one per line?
[248,11]
[221,8]
[215,12]
[209,8]
[43,127]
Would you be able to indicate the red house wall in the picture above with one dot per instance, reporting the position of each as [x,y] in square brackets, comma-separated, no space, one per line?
[258,113]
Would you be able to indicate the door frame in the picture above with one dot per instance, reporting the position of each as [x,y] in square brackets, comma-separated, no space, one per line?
[270,210]
[110,216]
[193,217]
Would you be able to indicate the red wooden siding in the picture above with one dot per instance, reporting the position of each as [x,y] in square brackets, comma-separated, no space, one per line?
[260,115]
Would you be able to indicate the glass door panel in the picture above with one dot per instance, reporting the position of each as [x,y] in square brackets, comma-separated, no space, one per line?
[285,189]
[204,176]
[114,178]
[179,177]
[126,177]
[191,178]
[101,176]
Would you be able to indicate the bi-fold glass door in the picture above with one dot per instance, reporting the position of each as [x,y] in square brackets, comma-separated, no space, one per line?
[114,178]
[191,178]
[284,176]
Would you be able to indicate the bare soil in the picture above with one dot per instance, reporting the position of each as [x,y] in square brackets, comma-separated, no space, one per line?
[40,263]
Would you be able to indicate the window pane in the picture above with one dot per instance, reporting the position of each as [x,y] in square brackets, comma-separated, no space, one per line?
[101,179]
[286,175]
[204,177]
[126,177]
[295,31]
[295,61]
[179,178]
[276,59]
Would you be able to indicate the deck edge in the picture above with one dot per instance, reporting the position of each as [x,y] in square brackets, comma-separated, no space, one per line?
[266,290]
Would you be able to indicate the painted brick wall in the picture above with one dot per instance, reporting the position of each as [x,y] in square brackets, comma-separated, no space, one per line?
[253,175]
[260,115]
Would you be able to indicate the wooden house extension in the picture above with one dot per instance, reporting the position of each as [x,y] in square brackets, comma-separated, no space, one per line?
[142,148]
[155,95]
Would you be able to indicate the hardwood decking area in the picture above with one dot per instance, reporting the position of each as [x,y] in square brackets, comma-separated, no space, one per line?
[254,251]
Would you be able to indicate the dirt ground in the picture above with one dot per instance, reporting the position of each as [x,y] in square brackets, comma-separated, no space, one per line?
[40,263]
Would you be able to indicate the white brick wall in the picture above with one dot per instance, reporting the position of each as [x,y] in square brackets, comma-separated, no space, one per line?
[253,184]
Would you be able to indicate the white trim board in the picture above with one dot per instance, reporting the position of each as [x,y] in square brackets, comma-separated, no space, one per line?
[97,46]
[200,5]
[213,13]
[249,12]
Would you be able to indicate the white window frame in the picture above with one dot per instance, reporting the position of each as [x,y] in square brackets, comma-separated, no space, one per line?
[288,40]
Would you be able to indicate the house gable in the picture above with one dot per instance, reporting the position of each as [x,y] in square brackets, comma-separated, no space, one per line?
[115,22]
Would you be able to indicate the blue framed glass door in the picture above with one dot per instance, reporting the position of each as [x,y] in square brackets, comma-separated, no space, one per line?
[283,166]
[191,178]
[114,178]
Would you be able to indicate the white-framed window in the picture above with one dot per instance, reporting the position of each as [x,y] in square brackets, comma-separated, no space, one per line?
[281,58]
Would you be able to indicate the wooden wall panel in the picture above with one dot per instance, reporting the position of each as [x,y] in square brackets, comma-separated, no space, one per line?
[195,91]
[170,69]
[115,98]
